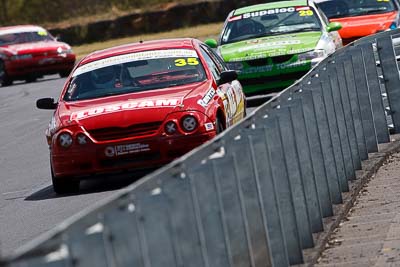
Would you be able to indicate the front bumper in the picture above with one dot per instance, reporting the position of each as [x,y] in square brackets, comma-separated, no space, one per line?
[39,65]
[260,76]
[103,159]
[267,84]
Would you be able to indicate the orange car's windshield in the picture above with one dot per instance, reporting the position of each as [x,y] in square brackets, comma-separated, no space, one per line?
[352,8]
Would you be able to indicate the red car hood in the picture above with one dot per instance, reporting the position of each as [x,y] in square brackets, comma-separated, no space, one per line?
[131,109]
[36,47]
[360,26]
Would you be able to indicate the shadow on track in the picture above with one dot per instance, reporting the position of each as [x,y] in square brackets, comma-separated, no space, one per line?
[39,80]
[92,186]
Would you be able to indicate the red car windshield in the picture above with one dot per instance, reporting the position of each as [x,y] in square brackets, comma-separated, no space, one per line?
[352,8]
[24,37]
[134,76]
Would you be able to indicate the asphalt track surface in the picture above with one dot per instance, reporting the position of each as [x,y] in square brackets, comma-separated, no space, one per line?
[28,204]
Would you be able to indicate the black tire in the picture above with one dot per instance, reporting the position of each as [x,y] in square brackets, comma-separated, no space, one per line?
[219,126]
[64,73]
[64,185]
[4,79]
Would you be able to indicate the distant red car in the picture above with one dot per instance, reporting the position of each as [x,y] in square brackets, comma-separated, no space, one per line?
[361,18]
[139,106]
[29,52]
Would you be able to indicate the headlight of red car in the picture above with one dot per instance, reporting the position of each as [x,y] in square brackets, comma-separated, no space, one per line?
[186,122]
[171,127]
[189,123]
[82,139]
[65,140]
[62,50]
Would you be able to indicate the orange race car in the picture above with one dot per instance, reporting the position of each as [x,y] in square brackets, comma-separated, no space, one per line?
[360,18]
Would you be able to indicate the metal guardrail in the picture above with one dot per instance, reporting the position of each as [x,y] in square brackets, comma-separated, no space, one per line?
[255,194]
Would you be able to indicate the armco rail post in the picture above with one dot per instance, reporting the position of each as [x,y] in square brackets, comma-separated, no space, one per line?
[294,174]
[283,189]
[355,108]
[344,136]
[322,125]
[317,158]
[282,186]
[155,233]
[390,72]
[127,247]
[302,148]
[233,211]
[364,99]
[378,110]
[252,203]
[211,216]
[334,130]
[88,238]
[348,116]
[267,191]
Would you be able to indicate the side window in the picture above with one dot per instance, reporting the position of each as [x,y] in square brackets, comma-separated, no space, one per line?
[322,14]
[211,64]
[219,60]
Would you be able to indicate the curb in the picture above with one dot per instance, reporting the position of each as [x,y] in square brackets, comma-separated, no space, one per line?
[369,168]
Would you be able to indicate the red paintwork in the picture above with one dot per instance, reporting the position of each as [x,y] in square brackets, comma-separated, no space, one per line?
[89,159]
[360,26]
[45,58]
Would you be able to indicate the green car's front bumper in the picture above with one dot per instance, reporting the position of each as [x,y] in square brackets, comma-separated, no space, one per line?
[257,77]
[268,84]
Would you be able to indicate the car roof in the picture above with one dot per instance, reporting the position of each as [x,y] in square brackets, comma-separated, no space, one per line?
[184,43]
[20,28]
[273,5]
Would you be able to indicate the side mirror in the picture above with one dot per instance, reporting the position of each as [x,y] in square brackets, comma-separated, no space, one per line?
[58,38]
[334,26]
[211,43]
[46,103]
[227,76]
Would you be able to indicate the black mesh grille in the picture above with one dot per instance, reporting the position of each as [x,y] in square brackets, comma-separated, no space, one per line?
[113,133]
[258,62]
[281,59]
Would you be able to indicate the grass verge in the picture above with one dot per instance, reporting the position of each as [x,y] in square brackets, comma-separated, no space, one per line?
[201,32]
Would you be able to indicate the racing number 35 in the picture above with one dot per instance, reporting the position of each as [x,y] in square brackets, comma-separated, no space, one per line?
[192,61]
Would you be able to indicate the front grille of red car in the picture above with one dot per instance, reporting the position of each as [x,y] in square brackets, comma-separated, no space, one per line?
[45,54]
[113,133]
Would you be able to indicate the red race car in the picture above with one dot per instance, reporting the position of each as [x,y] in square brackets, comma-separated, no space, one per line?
[360,18]
[139,106]
[29,52]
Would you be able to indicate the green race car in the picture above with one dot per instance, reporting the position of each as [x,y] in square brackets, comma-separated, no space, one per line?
[272,45]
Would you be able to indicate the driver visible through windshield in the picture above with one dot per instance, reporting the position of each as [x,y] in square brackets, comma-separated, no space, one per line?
[270,22]
[135,72]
